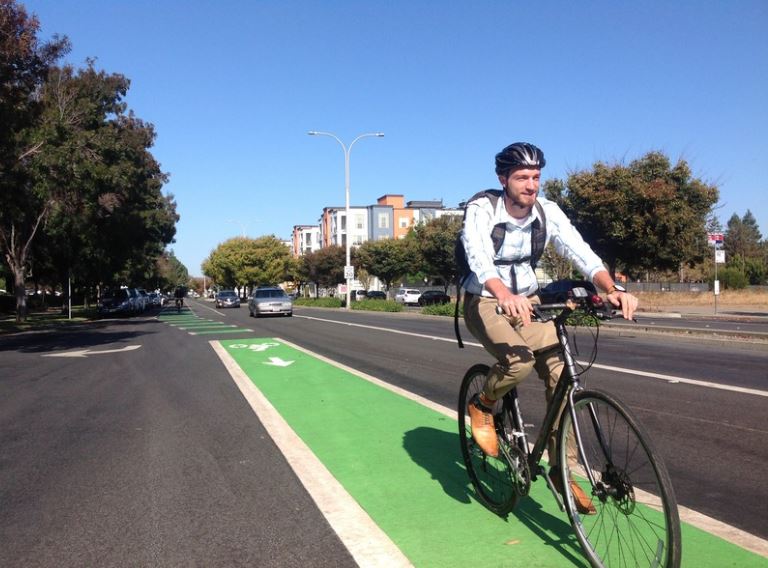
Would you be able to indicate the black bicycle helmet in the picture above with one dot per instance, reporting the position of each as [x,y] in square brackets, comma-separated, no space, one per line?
[519,155]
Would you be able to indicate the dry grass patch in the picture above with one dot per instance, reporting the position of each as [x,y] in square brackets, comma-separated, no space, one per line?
[656,300]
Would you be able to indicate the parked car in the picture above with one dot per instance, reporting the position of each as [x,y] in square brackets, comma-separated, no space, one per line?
[357,295]
[227,299]
[375,295]
[407,296]
[156,299]
[144,298]
[559,290]
[116,302]
[137,302]
[430,297]
[269,300]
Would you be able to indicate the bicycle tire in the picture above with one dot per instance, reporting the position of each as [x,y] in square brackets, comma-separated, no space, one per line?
[492,477]
[636,522]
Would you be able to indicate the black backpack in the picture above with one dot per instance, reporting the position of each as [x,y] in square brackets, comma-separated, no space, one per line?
[538,243]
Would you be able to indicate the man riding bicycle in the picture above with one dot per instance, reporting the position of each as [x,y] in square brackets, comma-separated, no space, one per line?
[507,279]
[179,294]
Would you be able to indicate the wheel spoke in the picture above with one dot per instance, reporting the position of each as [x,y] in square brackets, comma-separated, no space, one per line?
[636,521]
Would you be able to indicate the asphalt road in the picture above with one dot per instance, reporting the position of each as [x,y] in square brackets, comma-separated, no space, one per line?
[149,457]
[152,457]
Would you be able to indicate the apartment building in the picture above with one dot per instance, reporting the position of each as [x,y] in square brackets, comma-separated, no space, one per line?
[390,217]
[305,239]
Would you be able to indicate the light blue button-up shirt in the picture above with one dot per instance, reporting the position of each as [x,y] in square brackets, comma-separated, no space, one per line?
[476,235]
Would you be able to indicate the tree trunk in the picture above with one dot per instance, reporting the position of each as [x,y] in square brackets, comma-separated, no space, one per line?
[19,277]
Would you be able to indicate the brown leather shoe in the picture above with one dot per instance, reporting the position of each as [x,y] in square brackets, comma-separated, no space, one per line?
[483,430]
[583,502]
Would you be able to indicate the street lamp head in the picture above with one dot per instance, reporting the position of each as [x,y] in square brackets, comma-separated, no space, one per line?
[379,134]
[312,132]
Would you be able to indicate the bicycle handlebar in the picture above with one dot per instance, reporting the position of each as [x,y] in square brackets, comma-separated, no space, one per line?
[600,310]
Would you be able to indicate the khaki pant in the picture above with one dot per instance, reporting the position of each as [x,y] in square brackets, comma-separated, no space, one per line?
[513,346]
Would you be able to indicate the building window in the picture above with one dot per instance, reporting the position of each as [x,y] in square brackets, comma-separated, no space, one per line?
[359,221]
[383,221]
[403,222]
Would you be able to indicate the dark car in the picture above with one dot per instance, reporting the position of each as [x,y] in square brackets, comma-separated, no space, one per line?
[375,295]
[560,290]
[227,299]
[116,302]
[431,297]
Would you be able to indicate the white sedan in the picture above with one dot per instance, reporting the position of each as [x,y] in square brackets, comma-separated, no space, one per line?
[407,296]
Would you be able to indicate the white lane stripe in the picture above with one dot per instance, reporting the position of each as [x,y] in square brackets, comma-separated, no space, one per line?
[672,378]
[367,543]
[668,378]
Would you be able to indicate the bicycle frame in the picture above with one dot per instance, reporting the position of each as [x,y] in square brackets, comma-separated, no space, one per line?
[568,384]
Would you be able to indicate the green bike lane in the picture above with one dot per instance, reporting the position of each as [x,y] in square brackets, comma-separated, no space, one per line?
[399,459]
[188,321]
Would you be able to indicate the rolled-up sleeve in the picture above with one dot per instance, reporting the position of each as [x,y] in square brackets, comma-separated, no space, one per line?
[476,237]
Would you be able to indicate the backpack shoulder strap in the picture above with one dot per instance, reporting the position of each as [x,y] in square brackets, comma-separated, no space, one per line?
[538,235]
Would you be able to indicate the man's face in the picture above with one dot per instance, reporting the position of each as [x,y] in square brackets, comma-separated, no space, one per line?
[522,186]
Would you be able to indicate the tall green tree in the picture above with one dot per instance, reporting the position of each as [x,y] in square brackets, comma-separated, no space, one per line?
[387,259]
[25,62]
[246,262]
[170,272]
[436,241]
[648,215]
[325,267]
[111,221]
[743,247]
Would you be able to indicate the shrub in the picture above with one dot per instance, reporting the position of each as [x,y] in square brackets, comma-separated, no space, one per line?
[442,309]
[377,306]
[732,278]
[318,302]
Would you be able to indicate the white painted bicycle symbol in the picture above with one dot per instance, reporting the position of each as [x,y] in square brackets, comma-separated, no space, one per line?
[258,347]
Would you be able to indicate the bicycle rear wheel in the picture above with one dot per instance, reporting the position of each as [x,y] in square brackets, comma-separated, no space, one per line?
[493,478]
[636,521]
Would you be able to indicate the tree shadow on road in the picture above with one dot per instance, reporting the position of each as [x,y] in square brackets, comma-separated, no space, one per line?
[76,336]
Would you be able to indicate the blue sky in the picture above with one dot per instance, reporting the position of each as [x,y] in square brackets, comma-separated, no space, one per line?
[232,88]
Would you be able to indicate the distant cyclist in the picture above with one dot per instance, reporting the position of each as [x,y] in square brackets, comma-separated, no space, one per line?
[179,294]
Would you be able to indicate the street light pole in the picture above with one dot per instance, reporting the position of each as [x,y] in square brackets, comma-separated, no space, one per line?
[348,270]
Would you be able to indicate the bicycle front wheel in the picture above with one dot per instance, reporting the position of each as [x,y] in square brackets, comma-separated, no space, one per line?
[635,522]
[492,477]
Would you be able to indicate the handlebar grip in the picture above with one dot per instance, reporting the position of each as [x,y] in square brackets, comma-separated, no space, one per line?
[537,313]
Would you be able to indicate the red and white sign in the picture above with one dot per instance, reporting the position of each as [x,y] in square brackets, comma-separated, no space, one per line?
[715,238]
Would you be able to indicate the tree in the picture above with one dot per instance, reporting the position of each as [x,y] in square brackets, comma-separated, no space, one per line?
[110,221]
[24,66]
[294,272]
[242,261]
[387,259]
[170,272]
[557,266]
[436,241]
[325,267]
[743,247]
[644,216]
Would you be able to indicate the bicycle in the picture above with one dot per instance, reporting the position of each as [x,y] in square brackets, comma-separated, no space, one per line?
[600,445]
